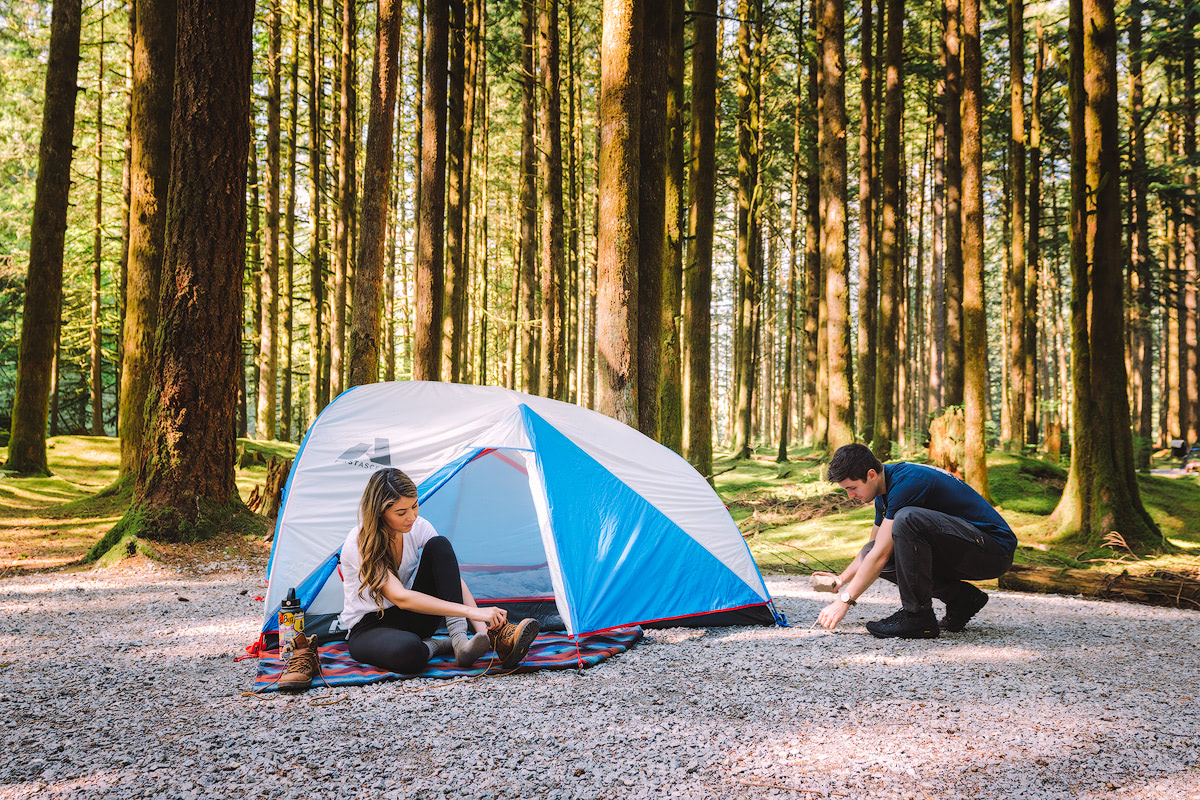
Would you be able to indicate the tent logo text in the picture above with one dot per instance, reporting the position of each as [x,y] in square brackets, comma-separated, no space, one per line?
[375,457]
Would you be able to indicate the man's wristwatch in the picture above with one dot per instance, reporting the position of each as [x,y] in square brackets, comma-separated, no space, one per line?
[846,597]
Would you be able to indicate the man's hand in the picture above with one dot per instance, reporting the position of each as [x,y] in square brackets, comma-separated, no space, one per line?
[832,614]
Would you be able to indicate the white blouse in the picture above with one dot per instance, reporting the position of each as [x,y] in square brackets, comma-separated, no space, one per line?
[358,601]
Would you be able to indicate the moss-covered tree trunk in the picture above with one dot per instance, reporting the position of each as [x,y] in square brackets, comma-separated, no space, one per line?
[154,78]
[427,345]
[553,258]
[43,285]
[527,200]
[953,356]
[186,488]
[1101,494]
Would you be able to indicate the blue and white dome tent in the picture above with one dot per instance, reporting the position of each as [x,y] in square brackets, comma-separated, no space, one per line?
[554,511]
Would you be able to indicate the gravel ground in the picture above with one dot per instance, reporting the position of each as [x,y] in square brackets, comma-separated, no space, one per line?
[113,685]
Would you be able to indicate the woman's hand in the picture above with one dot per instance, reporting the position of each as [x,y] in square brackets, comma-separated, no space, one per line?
[491,616]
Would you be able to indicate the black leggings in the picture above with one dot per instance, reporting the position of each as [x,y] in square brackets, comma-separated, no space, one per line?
[393,640]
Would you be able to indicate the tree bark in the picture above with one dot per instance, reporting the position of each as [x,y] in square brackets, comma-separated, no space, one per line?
[1033,268]
[455,299]
[617,272]
[377,171]
[652,140]
[288,294]
[789,350]
[318,390]
[749,273]
[697,280]
[831,144]
[670,394]
[1102,493]
[527,192]
[891,260]
[1018,314]
[975,389]
[430,280]
[868,266]
[1141,342]
[96,383]
[186,489]
[554,307]
[953,369]
[43,286]
[268,344]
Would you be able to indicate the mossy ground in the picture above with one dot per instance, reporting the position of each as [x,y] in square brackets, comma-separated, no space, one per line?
[794,521]
[58,521]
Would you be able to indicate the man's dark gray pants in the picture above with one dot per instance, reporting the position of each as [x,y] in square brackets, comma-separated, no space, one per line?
[933,553]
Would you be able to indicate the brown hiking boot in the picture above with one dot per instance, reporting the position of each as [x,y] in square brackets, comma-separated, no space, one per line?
[303,665]
[511,642]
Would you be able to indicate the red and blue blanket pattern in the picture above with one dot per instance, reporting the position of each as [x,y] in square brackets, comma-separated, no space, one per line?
[549,651]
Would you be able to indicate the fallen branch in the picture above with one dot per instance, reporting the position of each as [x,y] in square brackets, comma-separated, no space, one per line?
[1175,591]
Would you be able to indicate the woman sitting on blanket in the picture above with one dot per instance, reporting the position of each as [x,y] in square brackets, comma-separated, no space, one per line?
[400,580]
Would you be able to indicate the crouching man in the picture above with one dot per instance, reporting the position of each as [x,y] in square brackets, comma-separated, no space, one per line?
[932,534]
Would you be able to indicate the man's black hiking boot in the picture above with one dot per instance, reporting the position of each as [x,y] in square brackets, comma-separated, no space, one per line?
[906,625]
[969,600]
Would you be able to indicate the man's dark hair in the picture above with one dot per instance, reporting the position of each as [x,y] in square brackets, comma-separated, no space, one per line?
[852,462]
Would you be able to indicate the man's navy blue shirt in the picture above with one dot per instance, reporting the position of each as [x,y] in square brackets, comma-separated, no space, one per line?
[937,490]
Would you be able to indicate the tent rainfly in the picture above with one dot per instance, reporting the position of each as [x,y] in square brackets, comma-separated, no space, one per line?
[554,511]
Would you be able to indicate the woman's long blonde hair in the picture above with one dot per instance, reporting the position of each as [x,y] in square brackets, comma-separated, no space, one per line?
[384,488]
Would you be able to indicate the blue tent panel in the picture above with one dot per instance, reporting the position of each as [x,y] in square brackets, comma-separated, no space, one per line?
[621,558]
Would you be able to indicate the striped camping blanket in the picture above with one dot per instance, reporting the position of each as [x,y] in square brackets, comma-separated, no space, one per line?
[549,651]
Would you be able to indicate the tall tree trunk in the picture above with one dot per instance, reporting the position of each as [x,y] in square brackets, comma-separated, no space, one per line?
[43,286]
[344,221]
[831,143]
[749,273]
[975,389]
[937,246]
[670,393]
[617,273]
[289,237]
[318,390]
[377,171]
[268,345]
[953,372]
[1141,334]
[186,489]
[891,258]
[1189,388]
[554,312]
[96,384]
[455,300]
[427,355]
[528,203]
[127,150]
[868,274]
[815,397]
[1018,367]
[1033,268]
[697,279]
[789,350]
[651,138]
[1102,493]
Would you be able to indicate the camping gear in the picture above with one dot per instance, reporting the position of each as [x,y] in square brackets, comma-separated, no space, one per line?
[555,512]
[549,651]
[303,664]
[291,622]
[511,642]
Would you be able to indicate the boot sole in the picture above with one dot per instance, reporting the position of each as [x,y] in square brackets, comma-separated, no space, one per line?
[527,631]
[925,634]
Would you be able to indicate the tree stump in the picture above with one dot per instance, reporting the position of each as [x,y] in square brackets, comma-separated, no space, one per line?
[277,475]
[947,433]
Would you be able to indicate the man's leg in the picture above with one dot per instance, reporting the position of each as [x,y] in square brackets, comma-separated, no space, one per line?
[934,552]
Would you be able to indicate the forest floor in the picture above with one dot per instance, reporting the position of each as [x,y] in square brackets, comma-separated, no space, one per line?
[118,680]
